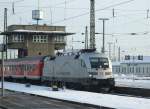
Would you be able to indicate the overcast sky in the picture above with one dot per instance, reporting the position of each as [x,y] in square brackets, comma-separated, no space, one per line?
[130,17]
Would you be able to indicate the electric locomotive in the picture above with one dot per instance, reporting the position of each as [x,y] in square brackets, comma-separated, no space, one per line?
[85,68]
[81,69]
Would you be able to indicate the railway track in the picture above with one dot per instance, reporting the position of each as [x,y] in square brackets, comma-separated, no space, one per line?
[138,92]
[2,107]
[126,91]
[20,100]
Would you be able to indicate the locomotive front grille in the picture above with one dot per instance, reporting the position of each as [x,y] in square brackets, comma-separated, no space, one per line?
[93,73]
[107,73]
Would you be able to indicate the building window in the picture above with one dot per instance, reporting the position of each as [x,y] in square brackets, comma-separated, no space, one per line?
[40,38]
[124,70]
[18,38]
[143,70]
[147,69]
[118,69]
[137,70]
[59,39]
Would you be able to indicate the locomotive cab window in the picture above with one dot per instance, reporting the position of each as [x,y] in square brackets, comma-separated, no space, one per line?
[83,63]
[99,62]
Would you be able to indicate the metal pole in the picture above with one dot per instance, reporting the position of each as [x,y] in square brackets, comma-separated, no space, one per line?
[5,29]
[114,52]
[86,37]
[103,19]
[103,49]
[119,54]
[38,10]
[133,66]
[92,24]
[2,81]
[109,44]
[37,22]
[4,42]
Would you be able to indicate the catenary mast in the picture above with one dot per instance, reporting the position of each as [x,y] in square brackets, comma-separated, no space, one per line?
[92,24]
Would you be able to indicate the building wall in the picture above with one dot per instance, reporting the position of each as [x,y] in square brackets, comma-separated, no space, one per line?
[34,49]
[139,69]
[43,48]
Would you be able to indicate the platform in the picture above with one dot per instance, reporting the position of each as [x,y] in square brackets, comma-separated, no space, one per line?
[17,100]
[102,100]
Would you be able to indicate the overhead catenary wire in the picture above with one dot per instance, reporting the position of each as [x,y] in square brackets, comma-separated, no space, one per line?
[18,1]
[130,34]
[86,13]
[13,5]
[64,2]
[131,21]
[65,19]
[105,9]
[5,2]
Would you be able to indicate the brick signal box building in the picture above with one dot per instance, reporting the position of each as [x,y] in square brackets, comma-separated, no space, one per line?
[34,40]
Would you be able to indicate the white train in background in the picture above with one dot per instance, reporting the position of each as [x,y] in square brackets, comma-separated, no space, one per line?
[133,65]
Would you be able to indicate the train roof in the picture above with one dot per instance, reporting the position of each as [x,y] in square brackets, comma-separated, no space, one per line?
[40,58]
[87,50]
[81,52]
[78,51]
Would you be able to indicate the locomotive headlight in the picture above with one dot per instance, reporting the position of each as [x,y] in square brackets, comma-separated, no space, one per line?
[90,75]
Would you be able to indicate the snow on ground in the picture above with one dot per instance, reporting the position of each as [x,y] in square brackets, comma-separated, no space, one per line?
[132,81]
[106,100]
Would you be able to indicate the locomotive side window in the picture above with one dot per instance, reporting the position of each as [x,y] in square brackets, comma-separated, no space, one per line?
[99,62]
[33,67]
[10,68]
[7,67]
[83,63]
[25,67]
[29,67]
[22,67]
[13,68]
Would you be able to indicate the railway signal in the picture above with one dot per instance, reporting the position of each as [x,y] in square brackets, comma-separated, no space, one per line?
[140,57]
[127,57]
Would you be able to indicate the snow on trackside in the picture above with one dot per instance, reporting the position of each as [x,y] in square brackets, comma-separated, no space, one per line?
[106,100]
[132,81]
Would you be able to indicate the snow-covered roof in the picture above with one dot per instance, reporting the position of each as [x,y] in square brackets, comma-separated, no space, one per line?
[146,60]
[37,31]
[116,63]
[21,31]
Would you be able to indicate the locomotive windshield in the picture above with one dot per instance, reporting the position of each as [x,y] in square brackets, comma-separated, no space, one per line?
[99,62]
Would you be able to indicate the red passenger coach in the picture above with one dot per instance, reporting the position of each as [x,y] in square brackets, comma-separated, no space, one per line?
[29,67]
